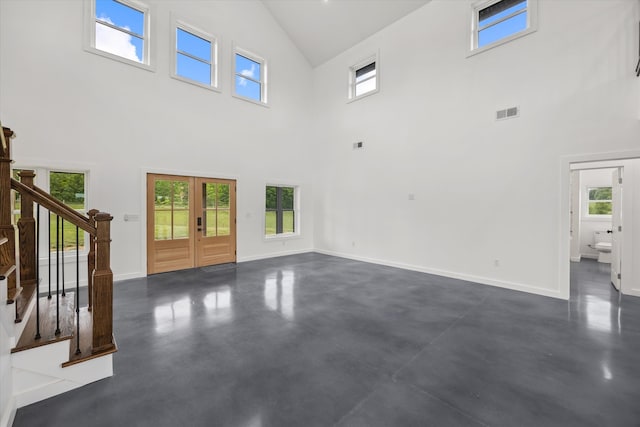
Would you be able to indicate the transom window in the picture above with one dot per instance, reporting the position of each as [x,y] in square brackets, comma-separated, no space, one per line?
[600,201]
[195,56]
[120,30]
[280,216]
[497,22]
[250,76]
[363,78]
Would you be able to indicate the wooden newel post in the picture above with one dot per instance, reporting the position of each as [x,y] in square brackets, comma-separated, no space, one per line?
[8,250]
[91,258]
[27,233]
[103,286]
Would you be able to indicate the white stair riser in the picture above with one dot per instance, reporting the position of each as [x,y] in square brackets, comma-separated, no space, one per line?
[38,373]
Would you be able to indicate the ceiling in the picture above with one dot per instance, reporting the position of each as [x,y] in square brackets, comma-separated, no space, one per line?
[322,29]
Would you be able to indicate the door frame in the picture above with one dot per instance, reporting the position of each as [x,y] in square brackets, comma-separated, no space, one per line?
[143,203]
[592,161]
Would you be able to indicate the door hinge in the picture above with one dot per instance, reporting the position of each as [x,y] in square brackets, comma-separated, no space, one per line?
[619,228]
[619,180]
[619,276]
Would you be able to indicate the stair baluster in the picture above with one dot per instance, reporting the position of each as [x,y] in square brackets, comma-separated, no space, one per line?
[37,292]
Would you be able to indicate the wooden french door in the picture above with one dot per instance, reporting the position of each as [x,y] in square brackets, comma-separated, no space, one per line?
[191,222]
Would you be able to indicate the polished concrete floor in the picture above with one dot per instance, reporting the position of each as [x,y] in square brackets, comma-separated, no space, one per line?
[313,340]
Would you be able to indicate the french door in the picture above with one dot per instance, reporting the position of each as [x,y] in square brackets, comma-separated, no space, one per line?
[191,222]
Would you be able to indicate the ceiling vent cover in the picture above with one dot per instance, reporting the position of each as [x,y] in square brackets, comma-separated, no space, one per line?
[508,113]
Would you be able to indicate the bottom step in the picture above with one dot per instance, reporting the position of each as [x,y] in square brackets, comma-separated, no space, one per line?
[50,320]
[38,373]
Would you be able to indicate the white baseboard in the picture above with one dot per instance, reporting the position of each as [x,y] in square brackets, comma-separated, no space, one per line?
[274,255]
[589,256]
[575,258]
[127,276]
[467,277]
[8,413]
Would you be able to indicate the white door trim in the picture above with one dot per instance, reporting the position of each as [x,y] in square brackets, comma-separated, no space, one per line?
[588,161]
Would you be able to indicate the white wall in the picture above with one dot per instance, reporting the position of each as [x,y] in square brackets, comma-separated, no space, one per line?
[484,190]
[7,402]
[575,216]
[631,229]
[74,109]
[591,178]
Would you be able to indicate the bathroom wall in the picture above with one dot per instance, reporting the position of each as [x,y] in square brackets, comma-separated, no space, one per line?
[591,178]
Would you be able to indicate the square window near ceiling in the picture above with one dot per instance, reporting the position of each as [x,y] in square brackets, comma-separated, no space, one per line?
[363,78]
[497,22]
[194,56]
[120,30]
[250,76]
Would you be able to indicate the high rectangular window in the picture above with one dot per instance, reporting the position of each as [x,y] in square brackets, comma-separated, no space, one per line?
[119,29]
[280,212]
[600,201]
[363,78]
[250,76]
[195,55]
[496,22]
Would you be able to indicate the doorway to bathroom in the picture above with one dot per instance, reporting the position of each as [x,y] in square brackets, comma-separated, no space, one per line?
[603,230]
[596,220]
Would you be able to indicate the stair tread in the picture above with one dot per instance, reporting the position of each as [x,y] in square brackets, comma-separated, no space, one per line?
[6,270]
[86,335]
[48,323]
[23,299]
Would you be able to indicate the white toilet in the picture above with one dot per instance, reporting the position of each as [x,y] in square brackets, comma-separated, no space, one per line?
[602,243]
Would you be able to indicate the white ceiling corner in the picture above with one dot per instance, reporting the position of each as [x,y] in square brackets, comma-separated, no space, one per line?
[323,29]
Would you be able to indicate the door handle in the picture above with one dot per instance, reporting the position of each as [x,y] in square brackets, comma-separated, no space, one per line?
[199,222]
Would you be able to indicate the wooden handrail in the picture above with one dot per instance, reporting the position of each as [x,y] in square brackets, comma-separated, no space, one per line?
[55,206]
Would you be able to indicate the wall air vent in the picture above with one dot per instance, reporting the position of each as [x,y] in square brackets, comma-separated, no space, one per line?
[508,113]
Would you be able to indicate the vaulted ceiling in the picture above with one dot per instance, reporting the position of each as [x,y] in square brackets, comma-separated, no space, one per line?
[322,29]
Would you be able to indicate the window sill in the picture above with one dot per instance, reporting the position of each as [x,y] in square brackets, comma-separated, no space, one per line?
[597,218]
[69,258]
[253,101]
[108,55]
[373,92]
[501,42]
[284,236]
[195,83]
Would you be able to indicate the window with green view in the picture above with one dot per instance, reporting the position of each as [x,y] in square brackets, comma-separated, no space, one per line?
[280,210]
[600,201]
[69,188]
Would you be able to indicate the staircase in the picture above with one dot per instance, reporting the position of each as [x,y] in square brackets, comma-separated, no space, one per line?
[59,338]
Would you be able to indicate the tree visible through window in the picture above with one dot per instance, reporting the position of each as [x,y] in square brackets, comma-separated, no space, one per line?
[69,188]
[600,201]
[280,210]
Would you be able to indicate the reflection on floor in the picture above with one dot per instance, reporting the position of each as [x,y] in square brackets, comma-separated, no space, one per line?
[313,340]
